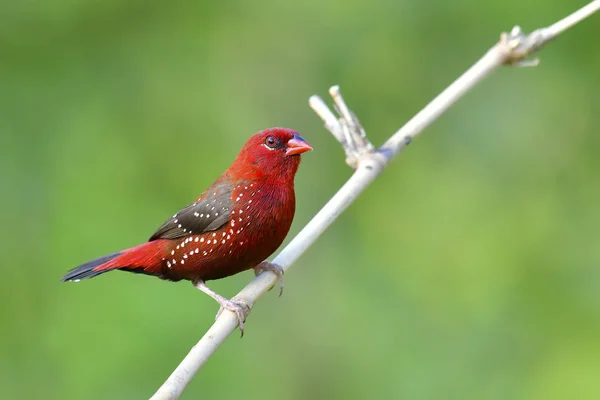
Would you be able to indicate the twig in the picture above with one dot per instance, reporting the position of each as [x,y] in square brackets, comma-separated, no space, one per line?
[346,129]
[360,154]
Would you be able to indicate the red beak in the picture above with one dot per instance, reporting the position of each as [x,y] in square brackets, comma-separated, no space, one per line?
[297,145]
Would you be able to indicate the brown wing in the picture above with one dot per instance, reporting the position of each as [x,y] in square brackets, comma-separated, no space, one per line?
[208,213]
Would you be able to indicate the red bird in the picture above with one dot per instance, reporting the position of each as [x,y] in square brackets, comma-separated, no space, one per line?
[233,226]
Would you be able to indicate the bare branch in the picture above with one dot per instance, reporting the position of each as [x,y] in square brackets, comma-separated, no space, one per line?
[567,22]
[512,49]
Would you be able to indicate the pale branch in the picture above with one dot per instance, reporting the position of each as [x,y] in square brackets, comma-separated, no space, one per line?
[512,49]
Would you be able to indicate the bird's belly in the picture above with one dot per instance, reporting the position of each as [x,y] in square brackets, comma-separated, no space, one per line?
[207,260]
[220,254]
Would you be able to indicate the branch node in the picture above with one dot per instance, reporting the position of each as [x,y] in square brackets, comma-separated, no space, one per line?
[346,128]
[521,45]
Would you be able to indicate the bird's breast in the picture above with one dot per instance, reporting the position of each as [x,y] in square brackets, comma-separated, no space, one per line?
[261,216]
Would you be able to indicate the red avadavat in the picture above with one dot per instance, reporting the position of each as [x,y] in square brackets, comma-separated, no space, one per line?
[233,226]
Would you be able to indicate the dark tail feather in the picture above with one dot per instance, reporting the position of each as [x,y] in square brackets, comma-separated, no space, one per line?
[86,270]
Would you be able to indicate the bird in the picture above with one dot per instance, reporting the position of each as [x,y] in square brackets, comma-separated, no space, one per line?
[233,226]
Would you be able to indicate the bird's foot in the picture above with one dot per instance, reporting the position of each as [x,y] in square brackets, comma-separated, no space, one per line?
[275,268]
[239,307]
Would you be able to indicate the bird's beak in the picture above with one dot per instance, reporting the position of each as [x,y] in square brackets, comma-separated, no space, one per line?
[297,145]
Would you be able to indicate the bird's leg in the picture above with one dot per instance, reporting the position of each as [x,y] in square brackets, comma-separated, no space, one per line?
[275,268]
[239,307]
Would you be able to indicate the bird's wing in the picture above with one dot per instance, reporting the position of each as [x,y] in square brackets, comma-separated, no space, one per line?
[208,213]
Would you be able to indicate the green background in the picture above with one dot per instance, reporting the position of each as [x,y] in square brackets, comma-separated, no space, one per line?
[468,270]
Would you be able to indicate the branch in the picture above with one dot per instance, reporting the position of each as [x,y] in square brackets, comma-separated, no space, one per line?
[512,49]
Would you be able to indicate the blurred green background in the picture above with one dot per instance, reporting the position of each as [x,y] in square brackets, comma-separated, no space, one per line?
[469,270]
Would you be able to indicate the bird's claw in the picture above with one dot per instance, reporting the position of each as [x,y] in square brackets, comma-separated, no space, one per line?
[275,268]
[240,308]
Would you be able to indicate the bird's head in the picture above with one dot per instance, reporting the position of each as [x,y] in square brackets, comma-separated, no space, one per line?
[273,152]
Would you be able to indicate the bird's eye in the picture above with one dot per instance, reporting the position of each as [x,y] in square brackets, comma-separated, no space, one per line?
[271,141]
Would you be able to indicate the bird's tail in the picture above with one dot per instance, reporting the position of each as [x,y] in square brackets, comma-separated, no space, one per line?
[145,258]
